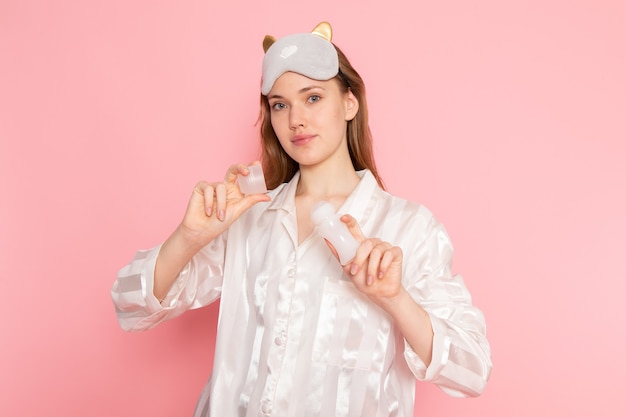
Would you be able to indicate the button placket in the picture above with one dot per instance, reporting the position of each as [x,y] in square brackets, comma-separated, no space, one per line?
[266,408]
[280,339]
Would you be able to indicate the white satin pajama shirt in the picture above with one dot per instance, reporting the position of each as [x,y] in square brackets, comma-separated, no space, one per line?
[295,338]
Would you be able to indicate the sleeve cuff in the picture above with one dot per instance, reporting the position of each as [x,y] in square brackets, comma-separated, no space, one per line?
[441,348]
[170,300]
[147,281]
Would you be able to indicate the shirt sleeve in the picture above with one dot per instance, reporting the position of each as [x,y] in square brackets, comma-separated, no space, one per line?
[197,285]
[461,355]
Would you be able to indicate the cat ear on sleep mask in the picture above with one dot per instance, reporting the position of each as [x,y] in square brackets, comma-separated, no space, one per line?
[310,54]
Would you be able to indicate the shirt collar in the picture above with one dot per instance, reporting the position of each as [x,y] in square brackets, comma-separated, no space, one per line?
[284,196]
[357,204]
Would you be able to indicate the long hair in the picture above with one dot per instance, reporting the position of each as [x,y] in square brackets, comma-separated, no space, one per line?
[278,167]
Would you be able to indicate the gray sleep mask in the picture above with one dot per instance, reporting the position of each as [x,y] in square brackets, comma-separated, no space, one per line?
[309,54]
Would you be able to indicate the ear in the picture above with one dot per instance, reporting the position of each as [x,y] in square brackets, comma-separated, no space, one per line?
[351,105]
[267,42]
[324,30]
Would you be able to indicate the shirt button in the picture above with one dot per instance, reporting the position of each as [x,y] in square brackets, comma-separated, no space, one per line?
[291,273]
[278,341]
[266,408]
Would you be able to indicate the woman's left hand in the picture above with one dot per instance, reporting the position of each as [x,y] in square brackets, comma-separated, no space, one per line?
[376,269]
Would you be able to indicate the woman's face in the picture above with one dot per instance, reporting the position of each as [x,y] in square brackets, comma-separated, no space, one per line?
[310,117]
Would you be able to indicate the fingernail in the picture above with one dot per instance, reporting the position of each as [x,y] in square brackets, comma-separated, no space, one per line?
[221,215]
[354,269]
[381,274]
[209,211]
[370,279]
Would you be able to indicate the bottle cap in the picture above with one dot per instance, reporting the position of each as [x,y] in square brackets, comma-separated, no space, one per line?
[254,182]
[320,211]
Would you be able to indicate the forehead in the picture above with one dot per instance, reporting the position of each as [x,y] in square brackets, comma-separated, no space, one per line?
[291,83]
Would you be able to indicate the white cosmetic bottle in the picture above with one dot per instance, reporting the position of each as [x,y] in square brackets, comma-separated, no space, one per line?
[254,182]
[331,228]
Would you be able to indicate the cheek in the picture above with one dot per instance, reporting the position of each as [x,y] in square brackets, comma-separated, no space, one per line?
[279,119]
[276,124]
[337,114]
[279,129]
[339,123]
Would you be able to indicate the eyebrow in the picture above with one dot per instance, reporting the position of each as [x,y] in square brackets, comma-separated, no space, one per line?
[302,90]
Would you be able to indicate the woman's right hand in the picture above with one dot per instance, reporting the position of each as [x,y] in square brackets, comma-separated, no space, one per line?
[213,207]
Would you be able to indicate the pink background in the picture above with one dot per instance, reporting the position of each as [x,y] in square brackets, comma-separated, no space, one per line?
[505,118]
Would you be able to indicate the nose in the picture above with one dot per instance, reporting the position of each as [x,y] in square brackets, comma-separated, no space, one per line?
[296,117]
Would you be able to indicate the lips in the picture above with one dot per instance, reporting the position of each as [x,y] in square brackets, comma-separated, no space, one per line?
[300,140]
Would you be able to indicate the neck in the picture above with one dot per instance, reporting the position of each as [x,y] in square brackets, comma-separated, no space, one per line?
[327,182]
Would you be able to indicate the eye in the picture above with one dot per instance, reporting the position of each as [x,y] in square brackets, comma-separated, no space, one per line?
[278,106]
[314,98]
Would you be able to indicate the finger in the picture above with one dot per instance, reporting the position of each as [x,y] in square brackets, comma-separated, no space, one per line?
[203,195]
[353,227]
[233,171]
[250,200]
[332,249]
[362,254]
[220,200]
[209,199]
[374,261]
[390,255]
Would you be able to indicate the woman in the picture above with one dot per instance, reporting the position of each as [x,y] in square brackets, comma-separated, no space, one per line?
[299,334]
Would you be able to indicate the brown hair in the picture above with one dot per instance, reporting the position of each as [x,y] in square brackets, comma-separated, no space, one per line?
[278,167]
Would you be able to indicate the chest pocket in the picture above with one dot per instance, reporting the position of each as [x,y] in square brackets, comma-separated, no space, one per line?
[352,332]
